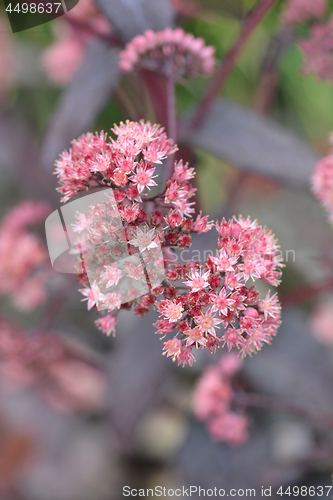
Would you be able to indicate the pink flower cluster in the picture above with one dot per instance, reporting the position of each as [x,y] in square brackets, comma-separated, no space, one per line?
[127,161]
[131,262]
[213,402]
[318,51]
[172,52]
[61,59]
[322,183]
[218,295]
[299,11]
[55,368]
[23,257]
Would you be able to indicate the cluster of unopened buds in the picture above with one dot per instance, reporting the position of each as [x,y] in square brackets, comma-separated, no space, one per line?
[214,402]
[127,247]
[171,52]
[322,183]
[299,11]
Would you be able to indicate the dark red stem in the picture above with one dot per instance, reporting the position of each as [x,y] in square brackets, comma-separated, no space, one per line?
[306,292]
[228,64]
[268,403]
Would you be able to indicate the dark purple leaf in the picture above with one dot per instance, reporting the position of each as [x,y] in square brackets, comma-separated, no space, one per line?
[295,367]
[82,100]
[19,156]
[255,143]
[131,17]
[137,373]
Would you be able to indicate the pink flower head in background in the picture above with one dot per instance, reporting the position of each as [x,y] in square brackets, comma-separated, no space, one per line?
[172,52]
[65,377]
[318,51]
[23,257]
[322,183]
[213,401]
[299,11]
[62,59]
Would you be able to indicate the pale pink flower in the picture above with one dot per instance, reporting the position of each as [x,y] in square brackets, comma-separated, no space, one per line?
[144,239]
[143,178]
[222,302]
[233,338]
[270,306]
[83,223]
[197,280]
[92,295]
[184,207]
[172,348]
[195,336]
[224,262]
[112,301]
[171,310]
[207,322]
[251,268]
[112,274]
[164,326]
[185,356]
[202,225]
[107,324]
[134,271]
[182,172]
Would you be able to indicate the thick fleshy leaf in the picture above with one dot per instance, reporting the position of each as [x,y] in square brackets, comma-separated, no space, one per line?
[82,99]
[19,157]
[255,143]
[131,17]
